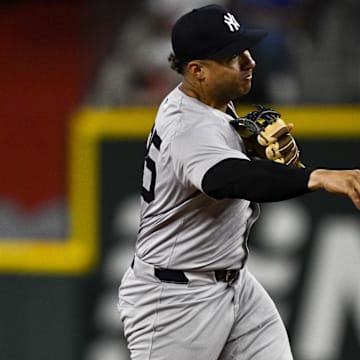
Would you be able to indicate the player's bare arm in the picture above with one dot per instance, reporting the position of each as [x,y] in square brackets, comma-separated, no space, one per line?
[341,182]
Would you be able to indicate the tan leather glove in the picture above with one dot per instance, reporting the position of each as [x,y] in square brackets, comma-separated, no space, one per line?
[267,136]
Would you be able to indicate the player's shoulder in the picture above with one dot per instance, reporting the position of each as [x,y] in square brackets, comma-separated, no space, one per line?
[175,113]
[185,112]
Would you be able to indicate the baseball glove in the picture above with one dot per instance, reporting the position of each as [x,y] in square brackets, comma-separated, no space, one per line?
[267,136]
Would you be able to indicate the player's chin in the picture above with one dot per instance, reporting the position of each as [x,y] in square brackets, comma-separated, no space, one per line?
[244,89]
[246,86]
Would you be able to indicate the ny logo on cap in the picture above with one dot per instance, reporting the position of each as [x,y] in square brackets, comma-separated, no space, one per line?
[231,22]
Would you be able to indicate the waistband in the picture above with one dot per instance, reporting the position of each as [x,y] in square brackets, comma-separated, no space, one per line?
[142,268]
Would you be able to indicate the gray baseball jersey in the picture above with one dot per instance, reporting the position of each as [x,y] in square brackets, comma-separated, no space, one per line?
[180,226]
[184,231]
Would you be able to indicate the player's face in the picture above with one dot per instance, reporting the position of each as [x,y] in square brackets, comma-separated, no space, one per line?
[230,78]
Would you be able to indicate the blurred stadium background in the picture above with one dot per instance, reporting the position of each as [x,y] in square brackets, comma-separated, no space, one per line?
[80,82]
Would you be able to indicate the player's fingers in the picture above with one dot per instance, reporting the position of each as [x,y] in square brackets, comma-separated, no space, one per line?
[351,186]
[355,198]
[356,190]
[290,126]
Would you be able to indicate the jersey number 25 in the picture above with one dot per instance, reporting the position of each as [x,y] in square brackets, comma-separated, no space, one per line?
[149,194]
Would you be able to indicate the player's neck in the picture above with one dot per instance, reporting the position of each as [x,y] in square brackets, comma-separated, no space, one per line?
[198,93]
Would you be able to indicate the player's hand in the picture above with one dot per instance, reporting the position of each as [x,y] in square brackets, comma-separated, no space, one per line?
[267,136]
[341,182]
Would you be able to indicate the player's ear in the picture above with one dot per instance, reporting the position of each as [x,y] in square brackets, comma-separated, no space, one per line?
[196,69]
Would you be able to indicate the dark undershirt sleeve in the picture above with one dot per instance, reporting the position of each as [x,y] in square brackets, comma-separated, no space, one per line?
[258,180]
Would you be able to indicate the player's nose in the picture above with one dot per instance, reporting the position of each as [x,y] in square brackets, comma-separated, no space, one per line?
[247,61]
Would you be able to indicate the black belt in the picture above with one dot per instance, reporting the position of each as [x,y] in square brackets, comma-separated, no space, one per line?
[178,276]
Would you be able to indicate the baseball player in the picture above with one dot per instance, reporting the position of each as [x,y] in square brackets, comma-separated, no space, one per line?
[188,293]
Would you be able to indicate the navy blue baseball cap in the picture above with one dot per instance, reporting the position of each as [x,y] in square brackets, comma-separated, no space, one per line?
[211,32]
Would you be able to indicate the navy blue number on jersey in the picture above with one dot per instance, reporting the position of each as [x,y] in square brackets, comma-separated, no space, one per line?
[149,195]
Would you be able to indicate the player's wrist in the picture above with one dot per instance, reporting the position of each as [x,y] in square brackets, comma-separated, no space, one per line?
[316,179]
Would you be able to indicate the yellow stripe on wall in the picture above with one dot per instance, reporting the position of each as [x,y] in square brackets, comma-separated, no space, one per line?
[310,121]
[323,122]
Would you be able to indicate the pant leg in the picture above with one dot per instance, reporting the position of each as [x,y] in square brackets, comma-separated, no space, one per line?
[258,332]
[175,321]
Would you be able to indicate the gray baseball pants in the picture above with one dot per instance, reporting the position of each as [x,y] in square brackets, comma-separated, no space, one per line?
[205,319]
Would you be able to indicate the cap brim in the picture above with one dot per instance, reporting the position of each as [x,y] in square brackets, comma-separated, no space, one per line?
[244,41]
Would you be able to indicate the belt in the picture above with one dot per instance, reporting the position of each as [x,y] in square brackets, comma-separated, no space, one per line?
[178,276]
